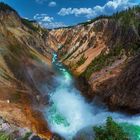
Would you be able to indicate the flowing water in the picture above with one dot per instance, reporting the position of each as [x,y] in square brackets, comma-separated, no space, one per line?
[68,111]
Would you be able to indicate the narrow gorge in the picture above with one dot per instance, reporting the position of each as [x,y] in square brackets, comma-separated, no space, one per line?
[60,83]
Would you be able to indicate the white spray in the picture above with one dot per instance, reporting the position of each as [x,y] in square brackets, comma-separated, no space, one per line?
[69,112]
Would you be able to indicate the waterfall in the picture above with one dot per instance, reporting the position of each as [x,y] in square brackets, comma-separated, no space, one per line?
[68,112]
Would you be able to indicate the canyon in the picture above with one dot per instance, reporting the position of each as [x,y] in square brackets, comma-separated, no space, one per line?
[105,54]
[102,55]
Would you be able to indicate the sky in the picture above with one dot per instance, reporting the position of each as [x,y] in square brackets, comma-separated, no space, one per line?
[59,13]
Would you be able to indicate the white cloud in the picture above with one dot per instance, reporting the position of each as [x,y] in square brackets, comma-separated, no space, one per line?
[52,4]
[52,25]
[110,7]
[47,21]
[43,18]
[76,11]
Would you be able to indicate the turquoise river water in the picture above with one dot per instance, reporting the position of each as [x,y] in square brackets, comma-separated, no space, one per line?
[69,113]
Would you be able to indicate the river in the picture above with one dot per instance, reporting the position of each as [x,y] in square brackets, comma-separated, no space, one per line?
[68,112]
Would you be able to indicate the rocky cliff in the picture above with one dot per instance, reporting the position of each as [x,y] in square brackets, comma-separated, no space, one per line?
[104,53]
[25,61]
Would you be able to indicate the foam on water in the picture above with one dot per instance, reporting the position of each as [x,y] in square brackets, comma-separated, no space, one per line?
[69,112]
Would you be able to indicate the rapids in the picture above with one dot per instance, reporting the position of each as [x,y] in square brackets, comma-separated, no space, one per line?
[68,112]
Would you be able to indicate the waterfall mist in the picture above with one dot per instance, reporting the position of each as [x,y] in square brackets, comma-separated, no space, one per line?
[68,112]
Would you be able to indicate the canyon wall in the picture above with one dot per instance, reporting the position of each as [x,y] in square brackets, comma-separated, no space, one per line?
[25,63]
[104,53]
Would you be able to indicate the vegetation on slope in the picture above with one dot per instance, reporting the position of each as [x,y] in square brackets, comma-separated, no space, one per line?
[4,136]
[66,56]
[121,24]
[81,60]
[77,64]
[110,131]
[103,60]
[107,59]
[128,17]
[13,136]
[27,135]
[127,20]
[93,20]
[29,24]
[125,16]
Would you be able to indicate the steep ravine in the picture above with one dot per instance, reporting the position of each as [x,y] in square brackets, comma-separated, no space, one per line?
[37,88]
[104,54]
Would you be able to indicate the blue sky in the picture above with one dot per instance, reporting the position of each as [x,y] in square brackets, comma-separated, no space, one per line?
[57,13]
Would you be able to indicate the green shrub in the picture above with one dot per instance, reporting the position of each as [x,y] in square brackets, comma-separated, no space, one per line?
[4,136]
[27,135]
[81,60]
[69,55]
[133,48]
[110,131]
